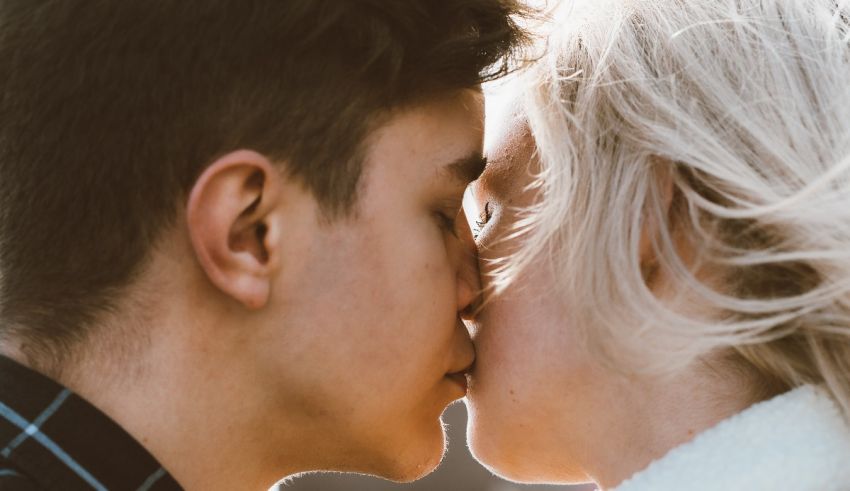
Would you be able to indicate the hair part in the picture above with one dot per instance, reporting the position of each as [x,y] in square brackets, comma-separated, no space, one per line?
[744,103]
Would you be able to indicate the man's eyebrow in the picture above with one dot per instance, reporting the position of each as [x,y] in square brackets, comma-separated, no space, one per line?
[467,169]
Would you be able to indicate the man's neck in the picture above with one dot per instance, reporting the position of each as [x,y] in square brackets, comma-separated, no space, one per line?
[177,408]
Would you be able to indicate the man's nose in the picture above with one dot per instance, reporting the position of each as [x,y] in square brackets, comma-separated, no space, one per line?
[468,276]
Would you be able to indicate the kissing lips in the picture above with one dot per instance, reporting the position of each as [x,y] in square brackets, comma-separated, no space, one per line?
[459,378]
[465,357]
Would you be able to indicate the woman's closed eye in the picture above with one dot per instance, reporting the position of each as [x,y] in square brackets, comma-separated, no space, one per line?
[482,220]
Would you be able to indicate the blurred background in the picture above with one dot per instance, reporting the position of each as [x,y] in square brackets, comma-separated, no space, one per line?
[458,472]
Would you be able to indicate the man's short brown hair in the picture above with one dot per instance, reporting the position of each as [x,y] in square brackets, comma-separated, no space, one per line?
[110,109]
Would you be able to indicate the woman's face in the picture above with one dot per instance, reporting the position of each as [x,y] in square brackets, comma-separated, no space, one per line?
[539,405]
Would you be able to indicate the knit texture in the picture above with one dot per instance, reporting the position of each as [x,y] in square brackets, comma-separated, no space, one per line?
[798,440]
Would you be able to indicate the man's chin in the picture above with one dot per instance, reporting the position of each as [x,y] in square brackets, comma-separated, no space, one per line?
[416,459]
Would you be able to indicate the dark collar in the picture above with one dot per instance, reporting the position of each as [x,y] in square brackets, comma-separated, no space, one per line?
[61,442]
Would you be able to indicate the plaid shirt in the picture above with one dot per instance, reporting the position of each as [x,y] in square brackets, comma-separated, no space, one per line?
[51,439]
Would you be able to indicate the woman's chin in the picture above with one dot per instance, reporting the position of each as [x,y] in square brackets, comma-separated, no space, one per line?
[492,448]
[513,454]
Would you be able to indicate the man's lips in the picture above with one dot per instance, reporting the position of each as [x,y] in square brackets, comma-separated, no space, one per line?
[458,372]
[460,377]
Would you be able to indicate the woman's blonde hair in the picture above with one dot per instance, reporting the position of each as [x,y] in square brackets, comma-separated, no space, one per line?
[742,107]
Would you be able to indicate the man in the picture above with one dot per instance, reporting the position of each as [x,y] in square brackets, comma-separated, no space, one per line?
[230,239]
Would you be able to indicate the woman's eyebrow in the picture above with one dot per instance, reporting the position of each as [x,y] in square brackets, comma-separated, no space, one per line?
[467,169]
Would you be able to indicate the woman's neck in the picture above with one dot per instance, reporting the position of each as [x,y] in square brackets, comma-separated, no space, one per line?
[667,412]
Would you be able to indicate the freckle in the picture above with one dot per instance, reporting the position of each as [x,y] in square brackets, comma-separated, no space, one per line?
[512,392]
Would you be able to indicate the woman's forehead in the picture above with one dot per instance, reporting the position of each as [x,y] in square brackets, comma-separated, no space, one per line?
[509,158]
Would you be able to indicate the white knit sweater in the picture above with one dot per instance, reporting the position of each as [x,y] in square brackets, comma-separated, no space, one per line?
[796,441]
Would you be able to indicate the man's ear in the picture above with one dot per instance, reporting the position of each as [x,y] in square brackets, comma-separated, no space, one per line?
[652,222]
[231,215]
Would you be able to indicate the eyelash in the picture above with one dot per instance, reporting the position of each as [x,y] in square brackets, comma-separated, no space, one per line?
[449,223]
[483,218]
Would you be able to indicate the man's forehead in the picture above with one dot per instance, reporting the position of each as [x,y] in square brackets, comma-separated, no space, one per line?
[442,140]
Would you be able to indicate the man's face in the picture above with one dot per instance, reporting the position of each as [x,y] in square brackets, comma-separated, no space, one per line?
[366,326]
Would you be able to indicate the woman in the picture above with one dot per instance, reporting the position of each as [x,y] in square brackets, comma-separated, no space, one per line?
[666,232]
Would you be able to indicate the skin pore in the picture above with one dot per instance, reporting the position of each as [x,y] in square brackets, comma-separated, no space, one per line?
[542,408]
[263,339]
